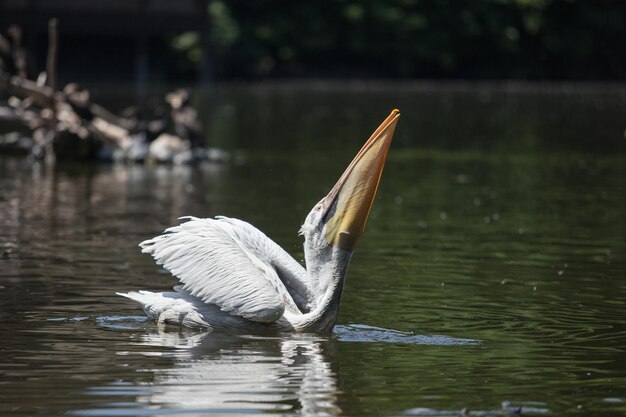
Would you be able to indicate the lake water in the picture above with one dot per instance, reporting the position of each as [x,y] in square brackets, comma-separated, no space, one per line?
[491,276]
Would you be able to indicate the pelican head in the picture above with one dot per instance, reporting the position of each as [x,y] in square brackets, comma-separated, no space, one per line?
[338,220]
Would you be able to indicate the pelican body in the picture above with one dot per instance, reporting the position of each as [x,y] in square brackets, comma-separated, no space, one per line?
[233,277]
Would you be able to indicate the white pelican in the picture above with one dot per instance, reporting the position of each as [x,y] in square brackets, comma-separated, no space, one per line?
[235,277]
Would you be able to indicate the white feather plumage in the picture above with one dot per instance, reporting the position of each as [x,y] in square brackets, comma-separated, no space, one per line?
[215,265]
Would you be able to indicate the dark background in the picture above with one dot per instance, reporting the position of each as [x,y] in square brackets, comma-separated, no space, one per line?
[160,41]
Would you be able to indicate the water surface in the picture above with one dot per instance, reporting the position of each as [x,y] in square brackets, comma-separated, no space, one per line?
[492,271]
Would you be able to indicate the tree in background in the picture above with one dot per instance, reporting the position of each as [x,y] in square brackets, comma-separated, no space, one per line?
[521,39]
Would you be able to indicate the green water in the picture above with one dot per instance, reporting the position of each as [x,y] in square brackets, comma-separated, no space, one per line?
[492,269]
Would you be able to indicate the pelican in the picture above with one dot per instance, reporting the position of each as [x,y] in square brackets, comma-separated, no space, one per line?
[233,277]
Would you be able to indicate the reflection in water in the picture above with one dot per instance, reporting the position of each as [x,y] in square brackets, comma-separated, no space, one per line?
[214,373]
[227,373]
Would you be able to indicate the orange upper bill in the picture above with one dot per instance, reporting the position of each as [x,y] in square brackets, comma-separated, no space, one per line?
[354,193]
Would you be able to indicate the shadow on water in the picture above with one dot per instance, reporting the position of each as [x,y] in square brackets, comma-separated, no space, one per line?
[495,250]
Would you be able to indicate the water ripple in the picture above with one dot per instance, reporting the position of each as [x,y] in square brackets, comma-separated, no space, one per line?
[370,334]
[508,409]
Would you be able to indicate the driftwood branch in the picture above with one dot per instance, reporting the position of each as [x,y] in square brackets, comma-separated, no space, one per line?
[24,88]
[53,49]
[113,133]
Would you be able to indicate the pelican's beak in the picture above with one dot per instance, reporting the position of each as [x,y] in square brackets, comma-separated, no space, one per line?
[349,202]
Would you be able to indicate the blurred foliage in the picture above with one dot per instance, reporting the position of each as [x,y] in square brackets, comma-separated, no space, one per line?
[527,39]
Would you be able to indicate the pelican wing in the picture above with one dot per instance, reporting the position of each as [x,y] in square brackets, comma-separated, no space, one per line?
[293,276]
[215,265]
